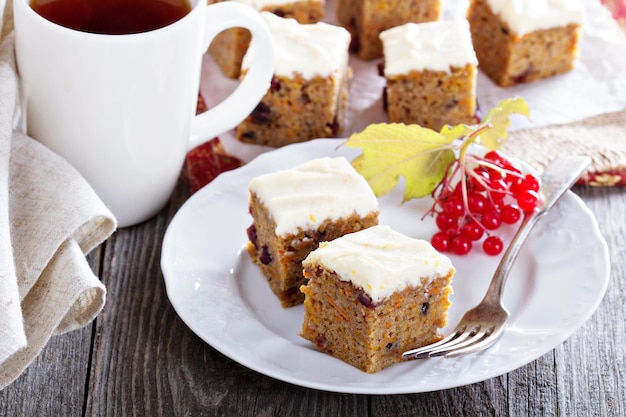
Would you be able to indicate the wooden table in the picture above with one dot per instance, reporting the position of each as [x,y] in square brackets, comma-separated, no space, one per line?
[139,359]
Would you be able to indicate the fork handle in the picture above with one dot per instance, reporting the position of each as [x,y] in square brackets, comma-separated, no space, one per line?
[558,177]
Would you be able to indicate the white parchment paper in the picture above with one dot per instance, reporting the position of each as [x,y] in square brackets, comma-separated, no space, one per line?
[595,86]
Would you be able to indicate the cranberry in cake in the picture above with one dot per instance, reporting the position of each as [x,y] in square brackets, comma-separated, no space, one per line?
[521,41]
[430,73]
[296,209]
[308,94]
[374,294]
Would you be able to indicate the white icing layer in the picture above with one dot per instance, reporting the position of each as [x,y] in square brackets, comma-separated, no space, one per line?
[261,4]
[525,16]
[435,46]
[311,50]
[307,195]
[381,261]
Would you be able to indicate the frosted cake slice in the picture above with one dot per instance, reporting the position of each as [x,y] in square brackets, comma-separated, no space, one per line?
[430,74]
[296,209]
[374,294]
[522,41]
[308,95]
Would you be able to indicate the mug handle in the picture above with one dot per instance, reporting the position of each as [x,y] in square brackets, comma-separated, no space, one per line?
[240,103]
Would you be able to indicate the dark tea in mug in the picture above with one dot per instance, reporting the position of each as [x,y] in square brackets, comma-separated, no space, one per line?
[112,17]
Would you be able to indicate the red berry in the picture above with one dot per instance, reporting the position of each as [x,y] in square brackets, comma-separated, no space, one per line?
[510,214]
[440,241]
[497,189]
[472,230]
[528,200]
[531,182]
[461,245]
[493,245]
[445,221]
[479,179]
[513,181]
[512,168]
[476,203]
[454,207]
[491,220]
[458,191]
[496,158]
[497,192]
[516,186]
[494,206]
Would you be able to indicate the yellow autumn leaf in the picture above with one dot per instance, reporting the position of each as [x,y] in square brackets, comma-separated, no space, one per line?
[391,151]
[498,121]
[423,156]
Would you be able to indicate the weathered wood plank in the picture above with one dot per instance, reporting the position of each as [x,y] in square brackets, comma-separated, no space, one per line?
[532,389]
[487,398]
[54,384]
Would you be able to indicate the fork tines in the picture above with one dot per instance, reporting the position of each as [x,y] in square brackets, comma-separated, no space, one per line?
[464,340]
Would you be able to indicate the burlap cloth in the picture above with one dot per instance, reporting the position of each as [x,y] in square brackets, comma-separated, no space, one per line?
[49,219]
[602,137]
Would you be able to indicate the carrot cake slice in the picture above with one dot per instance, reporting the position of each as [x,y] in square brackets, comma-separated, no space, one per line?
[294,210]
[374,294]
[430,74]
[521,41]
[308,94]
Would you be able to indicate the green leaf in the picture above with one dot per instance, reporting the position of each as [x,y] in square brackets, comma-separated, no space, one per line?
[390,151]
[498,119]
[453,133]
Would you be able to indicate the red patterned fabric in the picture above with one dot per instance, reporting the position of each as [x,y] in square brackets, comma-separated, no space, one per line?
[612,178]
[207,161]
[618,9]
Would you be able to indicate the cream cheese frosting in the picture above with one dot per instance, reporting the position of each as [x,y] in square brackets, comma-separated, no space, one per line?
[381,261]
[317,49]
[305,196]
[435,46]
[524,16]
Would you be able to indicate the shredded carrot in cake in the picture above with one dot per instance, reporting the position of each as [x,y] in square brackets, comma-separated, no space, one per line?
[339,309]
[432,290]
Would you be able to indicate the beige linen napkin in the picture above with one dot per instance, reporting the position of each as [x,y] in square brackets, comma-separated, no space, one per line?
[49,219]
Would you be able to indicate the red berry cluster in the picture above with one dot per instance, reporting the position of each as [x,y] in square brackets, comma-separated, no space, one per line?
[492,191]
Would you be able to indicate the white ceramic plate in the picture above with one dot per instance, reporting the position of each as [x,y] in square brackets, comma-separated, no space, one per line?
[558,281]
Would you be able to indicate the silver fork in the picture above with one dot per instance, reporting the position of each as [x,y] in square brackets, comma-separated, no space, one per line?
[482,325]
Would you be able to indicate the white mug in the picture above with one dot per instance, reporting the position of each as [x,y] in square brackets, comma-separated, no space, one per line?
[121,108]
